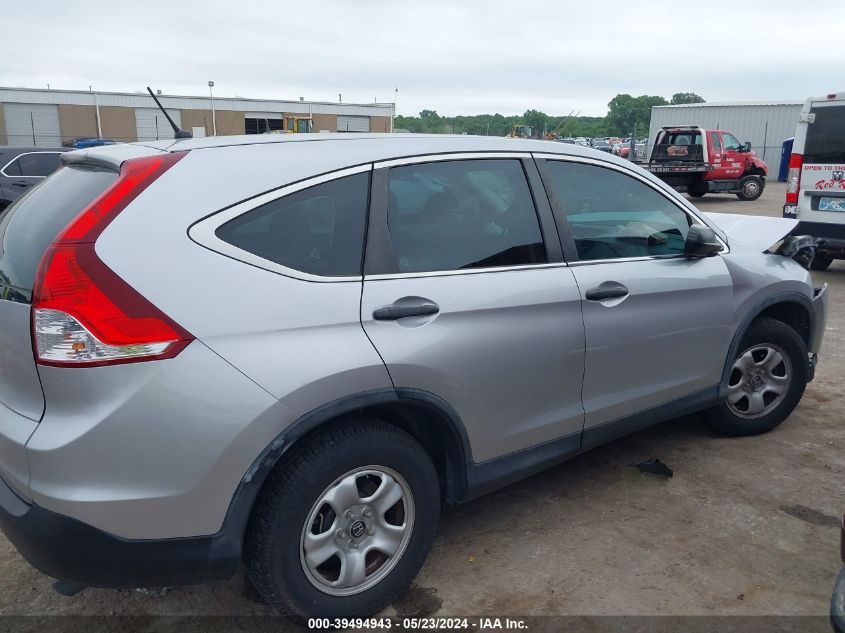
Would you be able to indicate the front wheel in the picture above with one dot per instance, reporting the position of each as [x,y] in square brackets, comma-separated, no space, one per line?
[343,525]
[750,188]
[767,379]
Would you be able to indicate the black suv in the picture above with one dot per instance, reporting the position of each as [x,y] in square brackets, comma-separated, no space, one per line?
[22,167]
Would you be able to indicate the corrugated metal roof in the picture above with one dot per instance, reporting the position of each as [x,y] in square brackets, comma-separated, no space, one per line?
[728,104]
[142,100]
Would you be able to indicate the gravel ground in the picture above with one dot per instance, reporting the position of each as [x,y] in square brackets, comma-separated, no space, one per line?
[746,526]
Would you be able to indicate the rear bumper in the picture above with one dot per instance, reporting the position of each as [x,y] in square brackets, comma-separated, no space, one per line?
[70,550]
[833,234]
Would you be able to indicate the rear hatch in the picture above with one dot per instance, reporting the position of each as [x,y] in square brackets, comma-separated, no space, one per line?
[822,193]
[26,229]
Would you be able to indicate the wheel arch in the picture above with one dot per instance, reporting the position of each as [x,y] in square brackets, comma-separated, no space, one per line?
[425,416]
[792,308]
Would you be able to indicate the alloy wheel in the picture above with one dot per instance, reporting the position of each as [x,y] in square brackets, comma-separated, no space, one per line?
[759,381]
[357,530]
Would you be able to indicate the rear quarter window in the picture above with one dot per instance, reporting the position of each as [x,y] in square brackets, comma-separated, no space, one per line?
[319,230]
[29,225]
[826,136]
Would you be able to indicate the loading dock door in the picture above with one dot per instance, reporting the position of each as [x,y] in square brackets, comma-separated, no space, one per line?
[151,124]
[27,120]
[353,123]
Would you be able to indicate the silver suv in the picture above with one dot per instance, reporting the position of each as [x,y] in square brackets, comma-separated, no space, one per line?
[293,351]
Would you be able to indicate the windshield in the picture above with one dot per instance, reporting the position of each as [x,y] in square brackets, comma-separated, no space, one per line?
[826,136]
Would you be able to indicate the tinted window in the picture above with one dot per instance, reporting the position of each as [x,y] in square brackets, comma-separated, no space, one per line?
[38,164]
[29,225]
[826,136]
[463,214]
[319,230]
[612,215]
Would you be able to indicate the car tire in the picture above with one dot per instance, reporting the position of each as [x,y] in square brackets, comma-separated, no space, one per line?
[347,461]
[757,405]
[821,262]
[750,188]
[696,193]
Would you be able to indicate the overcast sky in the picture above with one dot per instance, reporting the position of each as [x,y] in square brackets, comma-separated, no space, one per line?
[456,57]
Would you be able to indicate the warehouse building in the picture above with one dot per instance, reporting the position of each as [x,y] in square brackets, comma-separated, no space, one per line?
[55,117]
[764,124]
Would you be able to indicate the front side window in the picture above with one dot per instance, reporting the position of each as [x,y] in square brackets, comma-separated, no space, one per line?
[319,230]
[730,142]
[612,215]
[465,214]
[37,164]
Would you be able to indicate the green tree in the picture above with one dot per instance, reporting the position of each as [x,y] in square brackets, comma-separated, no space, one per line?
[625,112]
[537,120]
[685,97]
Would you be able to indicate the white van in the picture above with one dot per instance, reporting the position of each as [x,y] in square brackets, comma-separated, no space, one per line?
[815,187]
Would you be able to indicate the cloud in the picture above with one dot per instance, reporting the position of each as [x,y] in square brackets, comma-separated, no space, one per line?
[454,57]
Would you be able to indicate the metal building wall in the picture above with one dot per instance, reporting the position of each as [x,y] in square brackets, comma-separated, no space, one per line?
[764,125]
[143,100]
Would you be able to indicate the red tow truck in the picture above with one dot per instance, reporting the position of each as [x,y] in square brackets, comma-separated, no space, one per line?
[698,161]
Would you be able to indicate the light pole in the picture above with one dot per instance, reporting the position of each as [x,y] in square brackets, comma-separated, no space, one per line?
[393,111]
[213,111]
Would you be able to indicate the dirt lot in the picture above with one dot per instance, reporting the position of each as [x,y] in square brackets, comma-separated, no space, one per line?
[746,526]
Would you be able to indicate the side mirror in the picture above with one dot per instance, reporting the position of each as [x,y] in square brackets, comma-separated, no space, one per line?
[701,242]
[746,147]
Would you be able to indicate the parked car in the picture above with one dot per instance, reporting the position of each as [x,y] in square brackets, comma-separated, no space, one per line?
[815,188]
[837,599]
[83,143]
[22,167]
[602,146]
[700,161]
[297,367]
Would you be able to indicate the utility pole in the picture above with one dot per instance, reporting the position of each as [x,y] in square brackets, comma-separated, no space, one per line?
[97,114]
[213,111]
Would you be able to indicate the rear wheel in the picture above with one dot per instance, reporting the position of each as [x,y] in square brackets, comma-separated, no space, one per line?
[750,188]
[821,261]
[345,523]
[696,193]
[767,379]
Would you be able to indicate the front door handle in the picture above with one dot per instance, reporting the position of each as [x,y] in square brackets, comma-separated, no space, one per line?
[406,307]
[607,290]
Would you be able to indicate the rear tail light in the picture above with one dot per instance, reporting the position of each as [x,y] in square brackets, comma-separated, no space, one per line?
[793,179]
[83,314]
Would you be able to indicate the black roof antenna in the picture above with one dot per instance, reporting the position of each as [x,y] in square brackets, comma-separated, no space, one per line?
[177,131]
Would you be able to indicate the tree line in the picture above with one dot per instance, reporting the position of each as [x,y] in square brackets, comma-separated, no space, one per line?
[623,113]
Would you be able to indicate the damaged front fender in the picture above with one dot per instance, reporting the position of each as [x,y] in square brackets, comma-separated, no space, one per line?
[801,248]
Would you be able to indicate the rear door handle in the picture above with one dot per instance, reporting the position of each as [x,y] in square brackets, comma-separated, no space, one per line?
[607,290]
[406,307]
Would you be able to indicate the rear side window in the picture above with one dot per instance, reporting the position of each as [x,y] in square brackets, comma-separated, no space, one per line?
[319,230]
[38,164]
[612,215]
[463,214]
[826,136]
[716,142]
[29,225]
